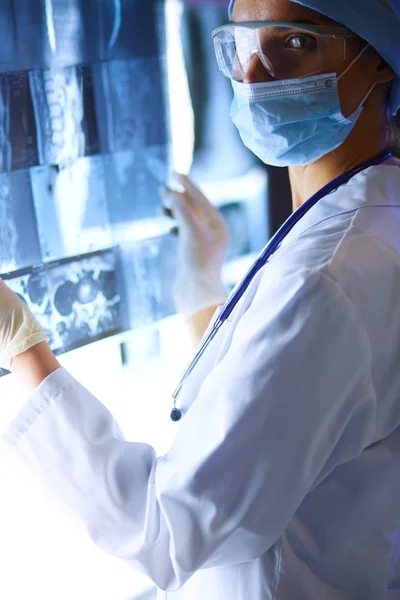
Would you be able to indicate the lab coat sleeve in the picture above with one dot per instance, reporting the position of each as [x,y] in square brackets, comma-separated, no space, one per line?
[290,400]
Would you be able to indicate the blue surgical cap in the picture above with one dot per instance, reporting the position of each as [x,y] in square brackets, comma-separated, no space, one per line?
[372,21]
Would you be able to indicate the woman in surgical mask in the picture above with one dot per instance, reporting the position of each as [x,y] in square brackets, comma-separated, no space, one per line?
[283,480]
[283,133]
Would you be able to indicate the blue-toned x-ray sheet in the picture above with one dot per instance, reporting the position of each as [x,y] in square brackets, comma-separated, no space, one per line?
[67,32]
[19,243]
[71,208]
[84,150]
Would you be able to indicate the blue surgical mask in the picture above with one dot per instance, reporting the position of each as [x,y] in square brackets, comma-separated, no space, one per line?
[294,121]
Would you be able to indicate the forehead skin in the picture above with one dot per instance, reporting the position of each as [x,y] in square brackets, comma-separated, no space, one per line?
[277,10]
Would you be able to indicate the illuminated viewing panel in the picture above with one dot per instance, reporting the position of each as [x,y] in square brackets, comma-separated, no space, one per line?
[84,150]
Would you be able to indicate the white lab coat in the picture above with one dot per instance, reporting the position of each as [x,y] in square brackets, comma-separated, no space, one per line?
[283,482]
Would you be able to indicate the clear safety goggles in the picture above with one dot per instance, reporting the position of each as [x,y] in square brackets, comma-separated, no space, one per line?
[286,50]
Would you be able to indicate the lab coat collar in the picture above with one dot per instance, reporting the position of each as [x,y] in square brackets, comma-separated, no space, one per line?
[376,186]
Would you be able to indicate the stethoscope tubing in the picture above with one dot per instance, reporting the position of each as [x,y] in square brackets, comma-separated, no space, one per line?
[262,260]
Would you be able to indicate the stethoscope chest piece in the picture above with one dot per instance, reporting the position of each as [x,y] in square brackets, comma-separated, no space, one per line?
[176,415]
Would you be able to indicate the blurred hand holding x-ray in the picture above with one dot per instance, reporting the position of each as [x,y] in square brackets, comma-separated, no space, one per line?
[204,242]
[19,330]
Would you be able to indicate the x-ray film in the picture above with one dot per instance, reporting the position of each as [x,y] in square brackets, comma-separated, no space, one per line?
[8,46]
[17,123]
[67,32]
[58,103]
[130,104]
[133,180]
[86,300]
[236,218]
[129,28]
[76,301]
[84,150]
[89,124]
[71,208]
[19,244]
[50,33]
[150,269]
[65,114]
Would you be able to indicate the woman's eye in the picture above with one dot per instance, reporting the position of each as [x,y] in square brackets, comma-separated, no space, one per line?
[302,42]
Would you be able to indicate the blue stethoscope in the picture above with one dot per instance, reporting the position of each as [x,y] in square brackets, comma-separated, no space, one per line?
[270,249]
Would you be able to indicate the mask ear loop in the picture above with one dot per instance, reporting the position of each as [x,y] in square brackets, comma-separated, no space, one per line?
[367,95]
[353,62]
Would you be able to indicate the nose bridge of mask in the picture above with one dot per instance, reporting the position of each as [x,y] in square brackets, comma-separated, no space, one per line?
[289,88]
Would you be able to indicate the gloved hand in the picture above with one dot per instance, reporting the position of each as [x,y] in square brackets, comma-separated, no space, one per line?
[204,241]
[19,330]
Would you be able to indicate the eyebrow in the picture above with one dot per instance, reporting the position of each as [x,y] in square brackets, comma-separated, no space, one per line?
[307,22]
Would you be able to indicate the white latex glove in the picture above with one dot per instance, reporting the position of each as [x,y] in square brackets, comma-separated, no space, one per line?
[204,241]
[19,330]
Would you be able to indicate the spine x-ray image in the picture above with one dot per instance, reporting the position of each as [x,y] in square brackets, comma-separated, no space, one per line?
[64,110]
[76,301]
[84,150]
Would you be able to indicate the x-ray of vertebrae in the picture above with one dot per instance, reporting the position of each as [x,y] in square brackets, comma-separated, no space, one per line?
[86,300]
[76,301]
[64,107]
[58,103]
[83,151]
